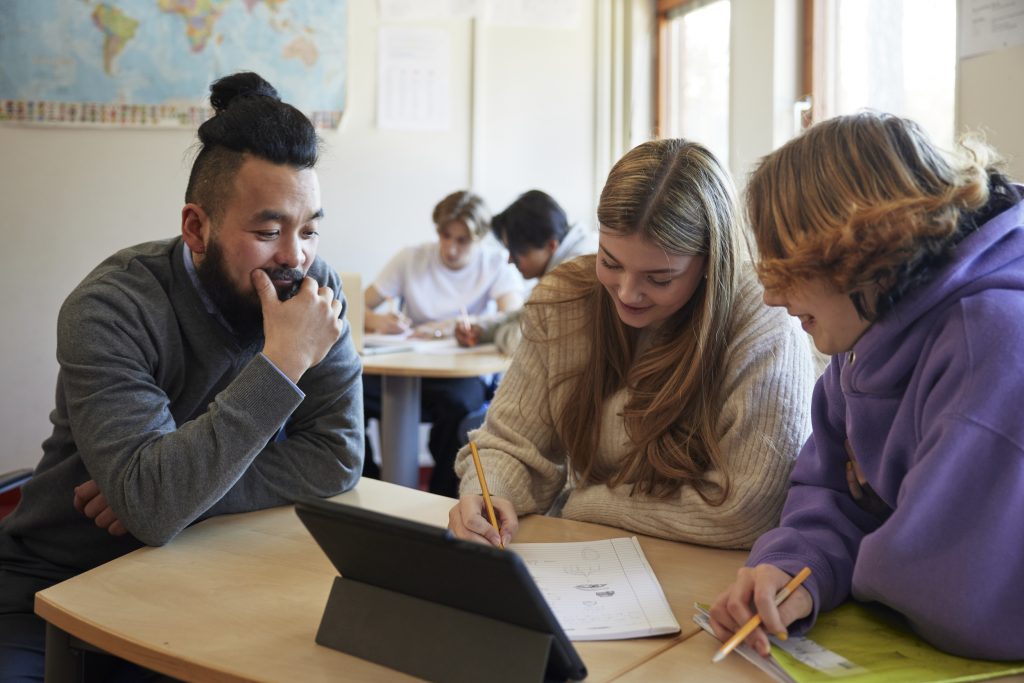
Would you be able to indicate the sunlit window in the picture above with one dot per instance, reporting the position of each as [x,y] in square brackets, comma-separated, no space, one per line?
[897,56]
[695,75]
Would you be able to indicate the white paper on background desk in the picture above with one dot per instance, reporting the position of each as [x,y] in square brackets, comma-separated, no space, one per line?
[599,590]
[376,343]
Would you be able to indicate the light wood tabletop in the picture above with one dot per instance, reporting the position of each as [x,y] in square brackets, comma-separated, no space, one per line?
[239,598]
[691,662]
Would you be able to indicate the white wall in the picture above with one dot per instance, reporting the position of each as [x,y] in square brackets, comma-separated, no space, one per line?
[72,197]
[990,100]
[534,96]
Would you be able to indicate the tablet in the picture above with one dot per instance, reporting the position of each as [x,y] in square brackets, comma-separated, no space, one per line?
[429,563]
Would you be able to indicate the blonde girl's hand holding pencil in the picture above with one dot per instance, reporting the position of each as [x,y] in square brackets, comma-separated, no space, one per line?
[484,518]
[468,520]
[758,587]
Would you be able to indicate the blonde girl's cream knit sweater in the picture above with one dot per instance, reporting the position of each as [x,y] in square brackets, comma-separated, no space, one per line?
[764,420]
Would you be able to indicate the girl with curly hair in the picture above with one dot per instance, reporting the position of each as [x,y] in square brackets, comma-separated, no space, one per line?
[908,266]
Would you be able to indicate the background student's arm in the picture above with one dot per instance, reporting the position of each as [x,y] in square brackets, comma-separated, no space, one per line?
[386,322]
[159,473]
[508,334]
[507,288]
[391,283]
[765,387]
[491,328]
[509,301]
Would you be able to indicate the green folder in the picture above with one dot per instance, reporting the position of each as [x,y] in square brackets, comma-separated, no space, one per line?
[862,643]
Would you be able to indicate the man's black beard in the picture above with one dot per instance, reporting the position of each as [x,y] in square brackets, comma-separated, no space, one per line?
[242,311]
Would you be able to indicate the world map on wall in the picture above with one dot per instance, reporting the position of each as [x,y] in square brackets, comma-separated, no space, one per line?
[151,62]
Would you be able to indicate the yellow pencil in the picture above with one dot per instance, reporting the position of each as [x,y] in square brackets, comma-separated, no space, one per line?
[755,620]
[483,489]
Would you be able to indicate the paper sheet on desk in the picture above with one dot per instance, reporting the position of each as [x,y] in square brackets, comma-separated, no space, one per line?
[409,342]
[377,343]
[599,590]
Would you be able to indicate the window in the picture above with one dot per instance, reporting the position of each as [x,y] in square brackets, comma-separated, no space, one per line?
[897,56]
[693,81]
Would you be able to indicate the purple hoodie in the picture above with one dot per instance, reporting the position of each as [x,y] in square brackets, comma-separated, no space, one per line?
[932,402]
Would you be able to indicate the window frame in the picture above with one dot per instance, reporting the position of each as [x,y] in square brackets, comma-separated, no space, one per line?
[664,8]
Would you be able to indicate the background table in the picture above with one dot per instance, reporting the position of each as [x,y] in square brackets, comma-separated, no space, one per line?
[239,597]
[400,398]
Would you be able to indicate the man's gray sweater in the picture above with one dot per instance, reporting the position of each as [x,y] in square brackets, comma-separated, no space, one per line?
[161,405]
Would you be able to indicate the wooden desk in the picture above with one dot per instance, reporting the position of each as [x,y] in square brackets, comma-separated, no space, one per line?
[690,661]
[239,598]
[400,398]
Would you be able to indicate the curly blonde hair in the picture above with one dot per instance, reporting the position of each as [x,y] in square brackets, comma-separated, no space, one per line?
[866,203]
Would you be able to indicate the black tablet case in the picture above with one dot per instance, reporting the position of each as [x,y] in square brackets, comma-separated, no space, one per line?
[414,598]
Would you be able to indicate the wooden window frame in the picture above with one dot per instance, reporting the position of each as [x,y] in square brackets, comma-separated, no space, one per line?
[666,7]
[807,57]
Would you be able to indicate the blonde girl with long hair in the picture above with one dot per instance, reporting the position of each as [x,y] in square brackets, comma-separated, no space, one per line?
[653,390]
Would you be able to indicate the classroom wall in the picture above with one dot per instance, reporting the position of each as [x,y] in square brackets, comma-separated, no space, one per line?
[72,197]
[989,100]
[531,107]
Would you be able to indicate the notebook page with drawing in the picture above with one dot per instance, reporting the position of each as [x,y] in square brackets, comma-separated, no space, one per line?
[599,590]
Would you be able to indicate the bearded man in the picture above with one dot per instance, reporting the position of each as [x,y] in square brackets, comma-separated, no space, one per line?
[208,374]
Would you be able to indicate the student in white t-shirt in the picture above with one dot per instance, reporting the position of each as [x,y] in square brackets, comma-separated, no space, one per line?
[434,282]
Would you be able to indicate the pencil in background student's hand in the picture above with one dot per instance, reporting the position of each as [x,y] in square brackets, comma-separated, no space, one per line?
[484,491]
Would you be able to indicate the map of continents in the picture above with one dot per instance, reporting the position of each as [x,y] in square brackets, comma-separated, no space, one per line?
[152,61]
